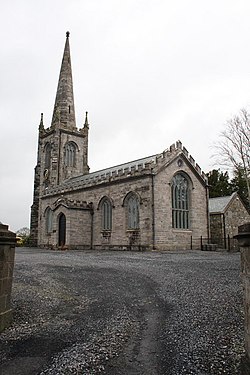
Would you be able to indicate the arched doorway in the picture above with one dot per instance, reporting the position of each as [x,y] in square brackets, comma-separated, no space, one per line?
[62,230]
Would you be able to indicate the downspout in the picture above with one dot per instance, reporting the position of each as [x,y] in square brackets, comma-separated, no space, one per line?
[92,226]
[224,230]
[153,209]
[208,214]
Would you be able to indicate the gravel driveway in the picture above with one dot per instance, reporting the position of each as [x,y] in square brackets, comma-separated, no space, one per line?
[119,313]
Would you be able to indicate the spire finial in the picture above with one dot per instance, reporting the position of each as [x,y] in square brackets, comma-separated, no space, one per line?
[86,124]
[67,34]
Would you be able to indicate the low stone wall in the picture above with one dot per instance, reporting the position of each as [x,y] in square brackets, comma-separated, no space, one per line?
[7,256]
[244,242]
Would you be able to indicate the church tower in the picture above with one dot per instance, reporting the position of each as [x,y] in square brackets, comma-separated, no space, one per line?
[62,148]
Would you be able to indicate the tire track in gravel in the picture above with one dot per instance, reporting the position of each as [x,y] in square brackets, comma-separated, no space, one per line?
[145,349]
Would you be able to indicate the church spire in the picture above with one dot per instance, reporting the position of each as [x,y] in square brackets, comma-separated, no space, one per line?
[64,109]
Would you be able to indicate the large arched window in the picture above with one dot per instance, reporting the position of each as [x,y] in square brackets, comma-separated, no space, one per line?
[180,202]
[70,154]
[49,220]
[47,156]
[106,212]
[132,203]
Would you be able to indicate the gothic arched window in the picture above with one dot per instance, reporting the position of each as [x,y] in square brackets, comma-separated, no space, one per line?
[49,220]
[70,154]
[106,212]
[132,211]
[47,156]
[180,202]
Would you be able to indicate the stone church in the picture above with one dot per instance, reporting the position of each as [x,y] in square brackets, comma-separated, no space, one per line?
[159,202]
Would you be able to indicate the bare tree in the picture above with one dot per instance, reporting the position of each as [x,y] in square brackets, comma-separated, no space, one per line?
[23,232]
[233,148]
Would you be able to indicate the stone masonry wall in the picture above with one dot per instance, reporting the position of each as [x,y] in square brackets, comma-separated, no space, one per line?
[80,221]
[244,242]
[235,216]
[245,269]
[167,237]
[57,172]
[151,181]
[7,255]
[216,227]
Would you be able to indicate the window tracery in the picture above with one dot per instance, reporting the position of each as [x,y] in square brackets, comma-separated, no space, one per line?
[133,212]
[180,202]
[70,154]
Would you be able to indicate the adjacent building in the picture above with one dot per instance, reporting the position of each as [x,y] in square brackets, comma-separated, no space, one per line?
[226,214]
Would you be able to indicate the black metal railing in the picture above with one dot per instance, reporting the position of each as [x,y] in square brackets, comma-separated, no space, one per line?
[214,243]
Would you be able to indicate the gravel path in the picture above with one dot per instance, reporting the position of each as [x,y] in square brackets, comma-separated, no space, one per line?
[122,313]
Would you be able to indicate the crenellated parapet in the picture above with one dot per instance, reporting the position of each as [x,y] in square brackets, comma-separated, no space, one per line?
[178,146]
[45,132]
[146,166]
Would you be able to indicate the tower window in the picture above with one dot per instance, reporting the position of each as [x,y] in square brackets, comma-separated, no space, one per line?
[70,154]
[180,202]
[47,156]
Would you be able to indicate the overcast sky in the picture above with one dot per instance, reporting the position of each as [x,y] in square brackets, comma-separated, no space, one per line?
[149,72]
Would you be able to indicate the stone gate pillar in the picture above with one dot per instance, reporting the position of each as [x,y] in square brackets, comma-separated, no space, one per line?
[244,242]
[7,255]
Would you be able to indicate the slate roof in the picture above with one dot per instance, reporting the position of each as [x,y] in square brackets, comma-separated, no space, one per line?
[135,164]
[219,204]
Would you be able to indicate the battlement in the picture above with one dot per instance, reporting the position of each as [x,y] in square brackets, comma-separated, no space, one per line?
[140,167]
[44,132]
[178,146]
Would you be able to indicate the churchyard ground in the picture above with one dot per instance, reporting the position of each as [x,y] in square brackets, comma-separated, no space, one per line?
[122,313]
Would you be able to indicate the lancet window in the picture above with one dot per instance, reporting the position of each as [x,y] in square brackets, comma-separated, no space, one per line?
[47,156]
[106,212]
